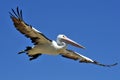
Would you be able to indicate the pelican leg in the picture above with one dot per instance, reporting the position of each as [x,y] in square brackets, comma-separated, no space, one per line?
[23,51]
[34,56]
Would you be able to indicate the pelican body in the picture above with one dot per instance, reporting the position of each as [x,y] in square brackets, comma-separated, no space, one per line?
[43,45]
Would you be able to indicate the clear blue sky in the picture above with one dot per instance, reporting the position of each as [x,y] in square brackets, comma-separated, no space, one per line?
[92,23]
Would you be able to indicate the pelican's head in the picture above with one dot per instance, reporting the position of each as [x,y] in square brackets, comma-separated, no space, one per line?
[62,38]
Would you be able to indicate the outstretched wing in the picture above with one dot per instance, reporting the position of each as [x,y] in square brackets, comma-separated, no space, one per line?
[30,32]
[82,59]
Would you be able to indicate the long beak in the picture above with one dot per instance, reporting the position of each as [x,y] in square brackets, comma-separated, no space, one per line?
[69,41]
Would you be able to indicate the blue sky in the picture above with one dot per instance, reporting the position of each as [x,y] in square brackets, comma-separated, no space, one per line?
[92,23]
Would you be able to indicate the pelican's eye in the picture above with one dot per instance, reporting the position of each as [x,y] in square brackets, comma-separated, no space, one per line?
[63,36]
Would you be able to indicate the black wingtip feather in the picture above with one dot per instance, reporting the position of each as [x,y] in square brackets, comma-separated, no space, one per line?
[21,14]
[11,15]
[18,11]
[99,64]
[104,65]
[17,14]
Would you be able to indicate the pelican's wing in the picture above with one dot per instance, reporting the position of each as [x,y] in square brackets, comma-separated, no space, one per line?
[30,32]
[83,59]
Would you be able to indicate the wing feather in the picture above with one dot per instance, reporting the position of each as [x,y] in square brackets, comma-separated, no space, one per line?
[82,59]
[30,32]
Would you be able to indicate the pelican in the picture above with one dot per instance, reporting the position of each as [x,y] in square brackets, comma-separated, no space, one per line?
[43,45]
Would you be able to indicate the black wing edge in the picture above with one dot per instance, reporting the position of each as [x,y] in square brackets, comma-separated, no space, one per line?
[105,64]
[34,39]
[16,14]
[99,64]
[46,37]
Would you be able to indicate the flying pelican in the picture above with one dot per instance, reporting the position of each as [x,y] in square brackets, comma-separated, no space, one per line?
[43,45]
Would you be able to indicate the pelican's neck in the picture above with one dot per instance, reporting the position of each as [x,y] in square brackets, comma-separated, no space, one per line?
[58,44]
